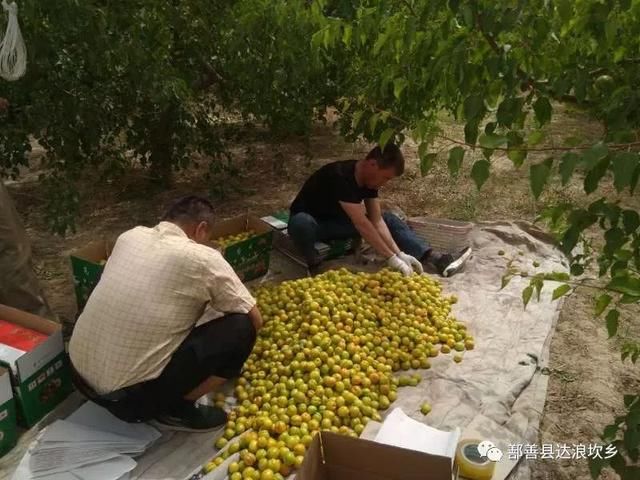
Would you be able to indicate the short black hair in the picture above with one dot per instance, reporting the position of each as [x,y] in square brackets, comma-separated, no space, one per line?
[389,157]
[189,209]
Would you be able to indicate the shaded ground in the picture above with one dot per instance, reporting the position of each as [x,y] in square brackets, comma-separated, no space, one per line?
[587,376]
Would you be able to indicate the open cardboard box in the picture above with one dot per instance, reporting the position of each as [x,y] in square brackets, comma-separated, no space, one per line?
[338,457]
[8,427]
[87,265]
[41,377]
[249,258]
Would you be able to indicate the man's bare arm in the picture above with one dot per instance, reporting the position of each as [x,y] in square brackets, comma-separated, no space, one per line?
[256,318]
[367,230]
[374,213]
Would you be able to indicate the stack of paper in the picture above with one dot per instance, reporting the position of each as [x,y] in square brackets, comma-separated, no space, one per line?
[400,430]
[91,444]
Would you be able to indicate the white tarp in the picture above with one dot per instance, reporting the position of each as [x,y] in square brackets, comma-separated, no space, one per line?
[496,393]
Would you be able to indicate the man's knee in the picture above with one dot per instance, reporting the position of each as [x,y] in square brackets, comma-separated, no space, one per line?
[393,221]
[302,226]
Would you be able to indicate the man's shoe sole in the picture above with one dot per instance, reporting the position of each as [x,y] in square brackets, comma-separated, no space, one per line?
[457,264]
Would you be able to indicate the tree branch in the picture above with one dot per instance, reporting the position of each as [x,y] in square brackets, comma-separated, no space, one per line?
[615,146]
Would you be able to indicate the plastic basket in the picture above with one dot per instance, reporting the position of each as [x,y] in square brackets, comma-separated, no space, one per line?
[443,235]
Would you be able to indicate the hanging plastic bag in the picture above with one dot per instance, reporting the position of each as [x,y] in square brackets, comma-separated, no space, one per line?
[13,53]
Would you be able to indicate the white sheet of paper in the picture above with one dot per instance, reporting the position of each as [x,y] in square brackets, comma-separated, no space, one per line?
[113,469]
[65,431]
[64,460]
[400,430]
[94,416]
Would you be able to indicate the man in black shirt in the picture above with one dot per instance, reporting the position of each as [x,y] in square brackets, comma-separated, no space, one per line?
[340,200]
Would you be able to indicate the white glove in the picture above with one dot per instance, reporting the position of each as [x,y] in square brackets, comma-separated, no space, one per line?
[413,262]
[395,263]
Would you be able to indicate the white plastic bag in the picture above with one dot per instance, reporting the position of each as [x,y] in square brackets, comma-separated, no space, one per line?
[13,53]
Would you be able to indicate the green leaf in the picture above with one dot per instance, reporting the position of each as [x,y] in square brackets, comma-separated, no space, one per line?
[592,180]
[526,295]
[456,155]
[557,276]
[517,157]
[480,172]
[615,239]
[568,164]
[595,466]
[629,400]
[560,291]
[346,35]
[628,299]
[628,285]
[373,121]
[399,85]
[612,322]
[631,439]
[542,109]
[508,111]
[426,163]
[538,176]
[630,220]
[634,180]
[492,141]
[602,303]
[623,166]
[467,14]
[473,107]
[386,136]
[471,132]
[355,120]
[610,432]
[565,11]
[577,269]
[505,281]
[591,157]
[535,137]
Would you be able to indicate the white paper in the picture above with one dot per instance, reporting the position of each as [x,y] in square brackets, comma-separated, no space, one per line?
[113,469]
[90,445]
[10,355]
[94,416]
[400,430]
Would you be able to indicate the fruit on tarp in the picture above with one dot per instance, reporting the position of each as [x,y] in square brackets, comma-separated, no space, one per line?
[325,360]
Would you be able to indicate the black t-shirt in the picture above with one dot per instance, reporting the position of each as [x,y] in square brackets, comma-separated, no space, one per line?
[333,183]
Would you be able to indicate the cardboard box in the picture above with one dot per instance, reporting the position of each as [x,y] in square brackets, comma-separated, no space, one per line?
[87,265]
[283,242]
[41,377]
[8,428]
[249,258]
[338,457]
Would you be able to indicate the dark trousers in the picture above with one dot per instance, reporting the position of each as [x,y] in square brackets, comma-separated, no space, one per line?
[305,231]
[218,348]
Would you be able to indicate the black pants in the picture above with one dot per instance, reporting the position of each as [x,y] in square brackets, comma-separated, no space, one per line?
[218,348]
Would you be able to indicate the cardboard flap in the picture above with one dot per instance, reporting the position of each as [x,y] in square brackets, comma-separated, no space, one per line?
[95,251]
[32,361]
[348,457]
[313,468]
[28,320]
[239,224]
[6,392]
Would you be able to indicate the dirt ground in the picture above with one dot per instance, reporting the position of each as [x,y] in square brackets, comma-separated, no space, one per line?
[587,378]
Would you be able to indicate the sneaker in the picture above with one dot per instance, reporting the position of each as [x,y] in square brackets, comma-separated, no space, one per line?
[448,265]
[189,417]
